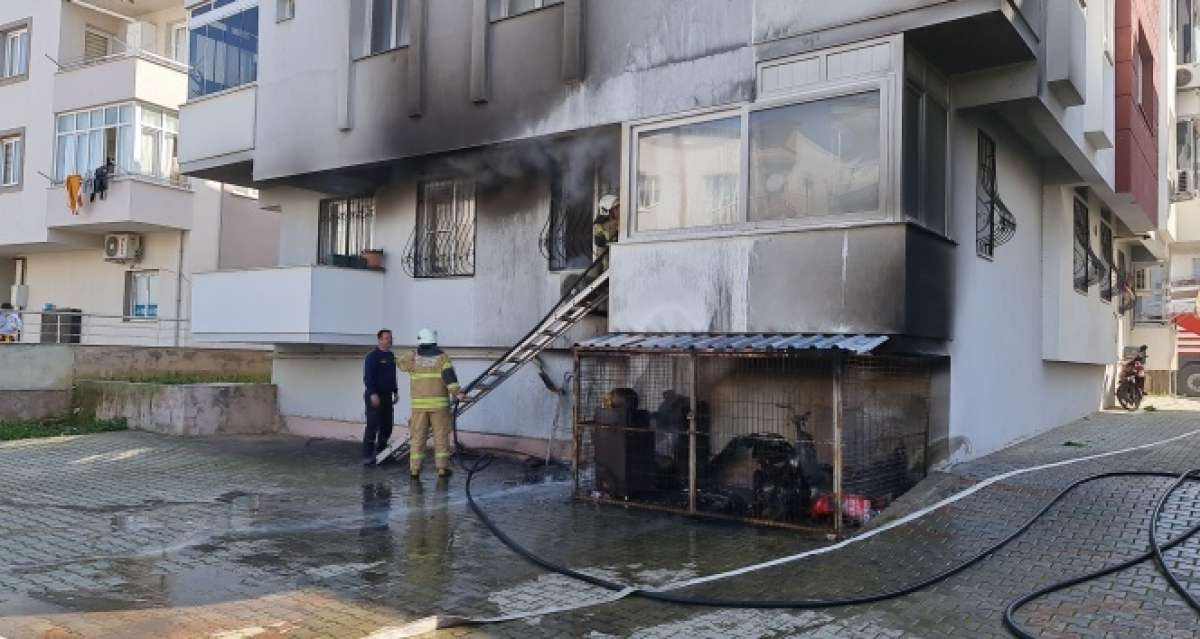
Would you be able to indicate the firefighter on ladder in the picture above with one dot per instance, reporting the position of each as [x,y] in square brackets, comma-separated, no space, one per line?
[606,226]
[433,381]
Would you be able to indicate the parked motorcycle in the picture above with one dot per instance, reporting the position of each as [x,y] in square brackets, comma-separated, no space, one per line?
[1130,383]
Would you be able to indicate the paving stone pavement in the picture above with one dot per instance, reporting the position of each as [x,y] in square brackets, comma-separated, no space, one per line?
[139,535]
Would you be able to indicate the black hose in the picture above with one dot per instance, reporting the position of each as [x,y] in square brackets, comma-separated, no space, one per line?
[1155,552]
[840,602]
[1158,549]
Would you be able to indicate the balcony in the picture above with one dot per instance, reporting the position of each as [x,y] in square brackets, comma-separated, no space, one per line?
[217,135]
[288,305]
[121,77]
[133,203]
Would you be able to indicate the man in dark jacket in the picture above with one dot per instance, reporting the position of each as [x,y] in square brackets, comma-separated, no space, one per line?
[379,378]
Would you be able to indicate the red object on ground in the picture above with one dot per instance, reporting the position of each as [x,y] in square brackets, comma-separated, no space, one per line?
[854,507]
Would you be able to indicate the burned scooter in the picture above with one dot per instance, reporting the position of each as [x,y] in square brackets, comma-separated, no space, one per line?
[766,476]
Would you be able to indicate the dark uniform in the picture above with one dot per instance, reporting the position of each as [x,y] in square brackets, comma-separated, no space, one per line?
[379,378]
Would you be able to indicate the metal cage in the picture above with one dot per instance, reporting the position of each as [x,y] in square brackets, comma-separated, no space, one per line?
[822,440]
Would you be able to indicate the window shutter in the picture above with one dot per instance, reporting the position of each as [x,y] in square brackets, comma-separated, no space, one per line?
[95,45]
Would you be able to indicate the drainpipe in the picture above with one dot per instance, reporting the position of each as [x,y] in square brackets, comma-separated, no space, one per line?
[179,287]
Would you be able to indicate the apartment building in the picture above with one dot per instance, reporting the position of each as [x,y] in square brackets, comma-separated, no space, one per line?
[84,83]
[945,186]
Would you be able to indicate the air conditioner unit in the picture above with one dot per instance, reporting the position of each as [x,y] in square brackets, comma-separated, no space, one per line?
[1187,76]
[1185,182]
[122,247]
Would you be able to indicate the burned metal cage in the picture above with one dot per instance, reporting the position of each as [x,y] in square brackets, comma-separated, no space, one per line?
[813,439]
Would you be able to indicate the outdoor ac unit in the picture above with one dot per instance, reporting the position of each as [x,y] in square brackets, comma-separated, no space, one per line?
[1185,182]
[122,247]
[1187,76]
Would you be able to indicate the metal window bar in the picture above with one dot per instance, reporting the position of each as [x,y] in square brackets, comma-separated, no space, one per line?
[443,240]
[985,195]
[345,229]
[751,437]
[1106,251]
[567,236]
[1081,249]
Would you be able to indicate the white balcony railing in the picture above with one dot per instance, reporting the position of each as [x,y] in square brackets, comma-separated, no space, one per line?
[288,305]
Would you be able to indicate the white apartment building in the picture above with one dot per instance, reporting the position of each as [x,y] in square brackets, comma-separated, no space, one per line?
[82,83]
[972,181]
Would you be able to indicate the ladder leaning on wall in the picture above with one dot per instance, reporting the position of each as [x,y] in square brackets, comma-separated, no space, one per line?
[588,293]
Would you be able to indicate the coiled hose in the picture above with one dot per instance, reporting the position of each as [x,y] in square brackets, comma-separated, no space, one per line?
[481,461]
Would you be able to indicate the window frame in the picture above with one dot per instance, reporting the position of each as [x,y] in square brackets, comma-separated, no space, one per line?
[135,163]
[200,18]
[17,138]
[1076,202]
[506,14]
[285,10]
[1144,270]
[129,308]
[324,211]
[422,217]
[887,213]
[1106,253]
[398,40]
[15,31]
[175,29]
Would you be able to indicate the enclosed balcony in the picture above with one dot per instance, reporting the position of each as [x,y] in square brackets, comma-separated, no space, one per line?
[127,76]
[288,305]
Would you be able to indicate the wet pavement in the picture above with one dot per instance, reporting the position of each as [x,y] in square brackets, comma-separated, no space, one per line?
[140,535]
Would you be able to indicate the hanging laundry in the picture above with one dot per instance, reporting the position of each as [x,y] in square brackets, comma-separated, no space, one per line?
[89,184]
[101,178]
[74,193]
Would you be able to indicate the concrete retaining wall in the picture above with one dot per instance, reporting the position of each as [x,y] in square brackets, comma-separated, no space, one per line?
[22,405]
[57,366]
[184,409]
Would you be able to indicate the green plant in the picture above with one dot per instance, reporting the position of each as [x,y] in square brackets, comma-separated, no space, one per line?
[173,379]
[58,427]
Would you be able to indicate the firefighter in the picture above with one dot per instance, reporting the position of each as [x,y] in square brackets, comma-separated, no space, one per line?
[608,222]
[433,381]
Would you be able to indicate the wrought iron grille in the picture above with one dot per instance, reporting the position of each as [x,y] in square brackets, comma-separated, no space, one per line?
[345,228]
[1081,253]
[567,235]
[985,197]
[1106,251]
[443,241]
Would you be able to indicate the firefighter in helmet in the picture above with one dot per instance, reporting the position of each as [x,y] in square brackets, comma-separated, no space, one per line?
[608,221]
[433,381]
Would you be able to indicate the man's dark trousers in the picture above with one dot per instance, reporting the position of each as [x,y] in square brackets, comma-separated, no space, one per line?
[379,427]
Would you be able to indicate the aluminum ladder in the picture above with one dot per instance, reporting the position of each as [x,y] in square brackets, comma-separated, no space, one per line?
[588,293]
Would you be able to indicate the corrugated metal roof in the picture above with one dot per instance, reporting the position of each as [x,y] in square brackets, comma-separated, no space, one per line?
[762,343]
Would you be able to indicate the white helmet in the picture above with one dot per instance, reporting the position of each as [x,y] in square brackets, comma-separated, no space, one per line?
[426,336]
[607,202]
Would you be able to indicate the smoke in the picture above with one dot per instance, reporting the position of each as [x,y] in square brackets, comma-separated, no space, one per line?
[575,162]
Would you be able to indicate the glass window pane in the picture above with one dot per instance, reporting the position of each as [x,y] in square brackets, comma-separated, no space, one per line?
[126,113]
[125,149]
[82,159]
[151,117]
[95,150]
[110,115]
[381,25]
[149,152]
[98,118]
[496,9]
[401,23]
[170,122]
[521,6]
[815,159]
[688,175]
[934,201]
[66,156]
[66,123]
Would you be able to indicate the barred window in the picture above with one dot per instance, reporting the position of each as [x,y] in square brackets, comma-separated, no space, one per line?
[1106,268]
[1081,246]
[568,238]
[346,228]
[443,242]
[985,193]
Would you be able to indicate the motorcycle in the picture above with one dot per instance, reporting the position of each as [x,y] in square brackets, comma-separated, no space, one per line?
[1130,382]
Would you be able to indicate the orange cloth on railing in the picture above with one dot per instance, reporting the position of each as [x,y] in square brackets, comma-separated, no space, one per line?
[74,193]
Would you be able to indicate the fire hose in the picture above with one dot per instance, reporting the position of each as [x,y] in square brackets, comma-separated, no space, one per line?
[473,462]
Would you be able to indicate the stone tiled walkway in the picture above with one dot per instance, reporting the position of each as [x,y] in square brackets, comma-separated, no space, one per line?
[136,535]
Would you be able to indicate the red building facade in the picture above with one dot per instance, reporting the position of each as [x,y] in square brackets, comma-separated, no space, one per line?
[1137,95]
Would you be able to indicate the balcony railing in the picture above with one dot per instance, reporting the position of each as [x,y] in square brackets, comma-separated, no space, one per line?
[65,326]
[142,54]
